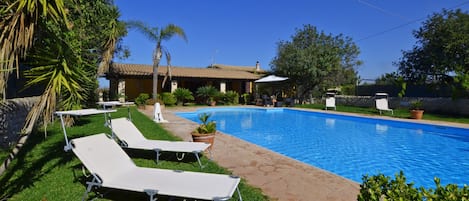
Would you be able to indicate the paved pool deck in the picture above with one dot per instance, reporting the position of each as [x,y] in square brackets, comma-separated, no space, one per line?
[279,177]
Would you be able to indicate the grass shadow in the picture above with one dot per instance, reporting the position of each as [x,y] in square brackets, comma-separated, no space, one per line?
[166,157]
[34,162]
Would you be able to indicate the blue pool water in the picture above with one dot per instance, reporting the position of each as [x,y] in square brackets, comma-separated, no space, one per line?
[352,146]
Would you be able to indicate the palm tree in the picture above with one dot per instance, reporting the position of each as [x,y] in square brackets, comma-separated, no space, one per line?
[159,35]
[18,20]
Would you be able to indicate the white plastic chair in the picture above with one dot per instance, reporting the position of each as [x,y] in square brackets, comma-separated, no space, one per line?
[330,100]
[381,100]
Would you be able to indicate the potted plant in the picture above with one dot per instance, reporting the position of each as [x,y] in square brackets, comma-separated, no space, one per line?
[141,100]
[416,109]
[208,94]
[206,131]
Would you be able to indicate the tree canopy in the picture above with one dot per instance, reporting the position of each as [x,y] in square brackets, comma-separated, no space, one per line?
[441,53]
[316,61]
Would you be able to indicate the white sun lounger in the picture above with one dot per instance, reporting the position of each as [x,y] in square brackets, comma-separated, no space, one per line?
[106,104]
[330,100]
[382,103]
[82,112]
[132,138]
[111,167]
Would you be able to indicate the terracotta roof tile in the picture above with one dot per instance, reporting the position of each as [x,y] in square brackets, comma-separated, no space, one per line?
[146,70]
[240,68]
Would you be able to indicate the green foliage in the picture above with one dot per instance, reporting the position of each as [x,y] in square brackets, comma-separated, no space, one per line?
[450,192]
[416,105]
[150,101]
[182,95]
[142,98]
[440,55]
[246,97]
[168,98]
[403,85]
[206,127]
[348,89]
[381,187]
[387,79]
[393,79]
[316,61]
[19,23]
[207,93]
[65,58]
[231,98]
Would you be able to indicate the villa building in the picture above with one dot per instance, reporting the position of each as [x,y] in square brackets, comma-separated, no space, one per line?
[132,79]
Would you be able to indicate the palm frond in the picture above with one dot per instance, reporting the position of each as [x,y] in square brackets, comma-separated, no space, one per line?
[18,26]
[150,32]
[170,30]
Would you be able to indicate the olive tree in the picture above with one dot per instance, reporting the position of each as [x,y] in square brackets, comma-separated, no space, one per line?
[440,55]
[315,61]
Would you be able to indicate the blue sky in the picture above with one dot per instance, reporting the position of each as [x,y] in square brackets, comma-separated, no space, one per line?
[241,32]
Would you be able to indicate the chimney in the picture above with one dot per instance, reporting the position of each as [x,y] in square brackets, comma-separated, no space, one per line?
[258,66]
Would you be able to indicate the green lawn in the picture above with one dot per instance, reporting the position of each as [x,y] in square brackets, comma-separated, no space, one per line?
[43,171]
[398,113]
[3,154]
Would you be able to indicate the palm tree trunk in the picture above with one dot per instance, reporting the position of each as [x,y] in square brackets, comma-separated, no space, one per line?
[156,63]
[155,80]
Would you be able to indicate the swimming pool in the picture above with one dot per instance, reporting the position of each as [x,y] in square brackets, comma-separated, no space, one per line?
[352,146]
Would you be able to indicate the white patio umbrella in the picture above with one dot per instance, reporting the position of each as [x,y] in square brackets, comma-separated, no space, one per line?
[271,78]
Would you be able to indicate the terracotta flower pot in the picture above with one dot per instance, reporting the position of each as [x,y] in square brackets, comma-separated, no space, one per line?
[416,114]
[207,138]
[213,103]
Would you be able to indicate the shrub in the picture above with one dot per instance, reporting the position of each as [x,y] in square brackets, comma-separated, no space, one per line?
[207,93]
[150,101]
[168,98]
[449,192]
[246,98]
[231,97]
[381,187]
[182,95]
[142,98]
